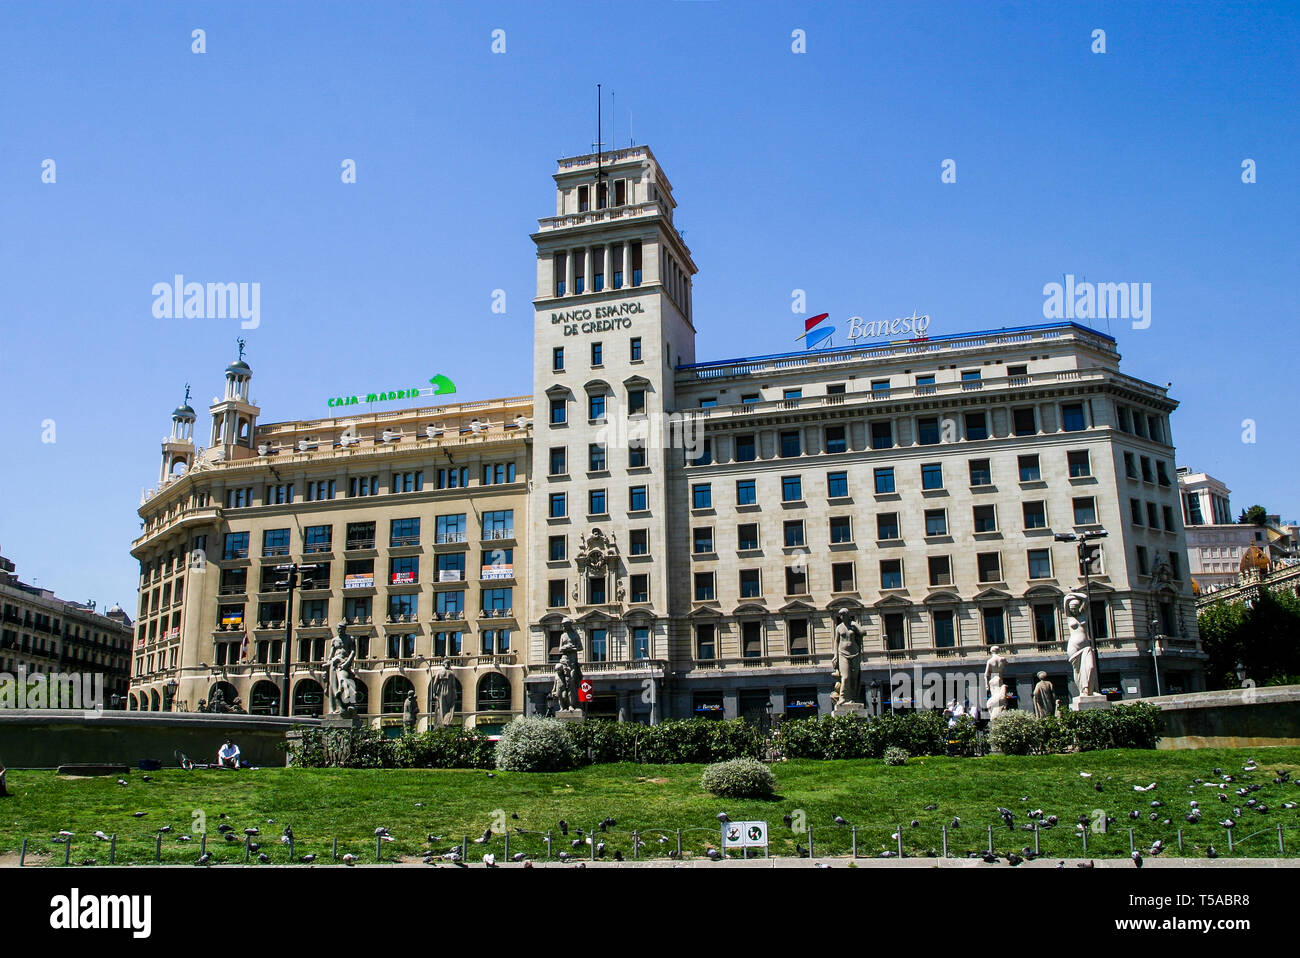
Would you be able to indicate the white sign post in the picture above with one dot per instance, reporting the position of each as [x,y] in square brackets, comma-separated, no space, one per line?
[744,835]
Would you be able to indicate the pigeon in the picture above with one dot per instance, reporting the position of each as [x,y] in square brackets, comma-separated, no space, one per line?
[264,858]
[139,814]
[610,822]
[915,823]
[122,782]
[419,804]
[1013,859]
[839,821]
[1157,847]
[888,854]
[205,858]
[800,850]
[1211,852]
[490,860]
[1088,864]
[307,859]
[600,849]
[185,838]
[1137,858]
[576,843]
[252,831]
[1036,813]
[618,855]
[931,807]
[787,820]
[223,828]
[491,774]
[954,823]
[286,840]
[674,854]
[821,865]
[381,831]
[1153,817]
[254,846]
[230,837]
[1085,774]
[564,856]
[712,853]
[1222,797]
[515,816]
[223,815]
[1097,787]
[528,864]
[564,827]
[288,832]
[349,858]
[663,839]
[1134,814]
[1227,823]
[1157,804]
[146,778]
[1051,820]
[101,836]
[990,858]
[1144,788]
[165,829]
[1007,818]
[387,838]
[484,838]
[518,857]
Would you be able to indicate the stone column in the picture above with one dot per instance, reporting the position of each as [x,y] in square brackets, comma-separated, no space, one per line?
[570,270]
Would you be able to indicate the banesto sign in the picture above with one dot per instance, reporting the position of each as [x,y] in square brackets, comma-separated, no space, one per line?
[597,319]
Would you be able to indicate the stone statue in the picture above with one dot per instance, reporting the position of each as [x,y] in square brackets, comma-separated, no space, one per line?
[996,665]
[410,712]
[848,659]
[342,678]
[444,696]
[568,673]
[997,702]
[1079,649]
[1044,697]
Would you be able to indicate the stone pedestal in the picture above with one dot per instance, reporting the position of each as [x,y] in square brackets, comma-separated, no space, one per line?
[571,715]
[856,709]
[1082,703]
[340,721]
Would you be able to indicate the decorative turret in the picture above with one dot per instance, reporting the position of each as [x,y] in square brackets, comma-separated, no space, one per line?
[234,417]
[178,448]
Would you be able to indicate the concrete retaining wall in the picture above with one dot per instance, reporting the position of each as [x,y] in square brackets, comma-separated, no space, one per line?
[47,738]
[1231,718]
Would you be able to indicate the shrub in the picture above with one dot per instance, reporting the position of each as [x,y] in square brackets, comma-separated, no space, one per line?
[696,740]
[895,755]
[456,747]
[364,747]
[964,739]
[1015,733]
[739,778]
[535,745]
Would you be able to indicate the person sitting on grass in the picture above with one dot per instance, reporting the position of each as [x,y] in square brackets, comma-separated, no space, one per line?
[228,755]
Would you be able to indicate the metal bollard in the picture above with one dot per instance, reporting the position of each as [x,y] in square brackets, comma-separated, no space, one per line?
[67,852]
[203,844]
[1131,846]
[507,852]
[248,849]
[1084,833]
[22,854]
[636,845]
[592,838]
[1281,843]
[990,839]
[334,850]
[679,843]
[1036,849]
[464,848]
[291,854]
[112,850]
[1229,840]
[810,843]
[379,848]
[945,840]
[900,841]
[157,848]
[548,844]
[855,841]
[1180,839]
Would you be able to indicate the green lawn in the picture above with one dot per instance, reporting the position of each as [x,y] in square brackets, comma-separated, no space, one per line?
[347,805]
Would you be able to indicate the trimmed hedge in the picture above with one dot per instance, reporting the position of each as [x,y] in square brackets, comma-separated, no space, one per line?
[844,736]
[673,742]
[1137,725]
[367,747]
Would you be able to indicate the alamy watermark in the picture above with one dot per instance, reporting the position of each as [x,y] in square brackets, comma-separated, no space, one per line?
[179,299]
[1084,300]
[82,691]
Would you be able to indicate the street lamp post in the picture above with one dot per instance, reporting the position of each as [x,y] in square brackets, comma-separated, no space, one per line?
[1155,639]
[290,582]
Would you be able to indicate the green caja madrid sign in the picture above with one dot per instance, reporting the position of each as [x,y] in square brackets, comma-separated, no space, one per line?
[442,386]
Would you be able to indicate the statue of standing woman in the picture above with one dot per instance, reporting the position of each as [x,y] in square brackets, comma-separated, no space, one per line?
[1079,650]
[848,659]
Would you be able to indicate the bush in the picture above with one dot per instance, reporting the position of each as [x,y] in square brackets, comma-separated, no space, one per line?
[1015,733]
[844,736]
[535,745]
[696,740]
[895,755]
[964,739]
[739,778]
[456,747]
[364,747]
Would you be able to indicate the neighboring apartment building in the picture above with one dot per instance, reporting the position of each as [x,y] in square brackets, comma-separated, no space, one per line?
[1216,543]
[699,522]
[43,634]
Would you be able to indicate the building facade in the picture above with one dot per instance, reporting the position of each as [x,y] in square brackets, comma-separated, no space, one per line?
[41,634]
[698,524]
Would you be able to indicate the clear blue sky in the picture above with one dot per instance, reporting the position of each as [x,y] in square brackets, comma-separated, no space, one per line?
[817,171]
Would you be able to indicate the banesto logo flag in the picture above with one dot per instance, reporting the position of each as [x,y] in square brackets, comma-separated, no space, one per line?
[814,331]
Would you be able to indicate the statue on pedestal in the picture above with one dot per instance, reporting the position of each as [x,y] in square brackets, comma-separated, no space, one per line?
[342,689]
[410,712]
[568,673]
[1044,697]
[995,680]
[848,660]
[1079,650]
[442,694]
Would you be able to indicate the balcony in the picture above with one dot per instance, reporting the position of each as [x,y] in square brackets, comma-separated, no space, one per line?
[447,538]
[454,616]
[397,542]
[490,535]
[497,614]
[312,548]
[359,544]
[401,617]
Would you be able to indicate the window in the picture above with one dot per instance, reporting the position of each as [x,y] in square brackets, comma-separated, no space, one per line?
[705,454]
[363,486]
[596,503]
[638,542]
[559,461]
[837,484]
[750,397]
[795,393]
[559,412]
[1072,417]
[936,522]
[1135,511]
[1029,471]
[1169,518]
[557,548]
[598,650]
[705,641]
[1044,622]
[450,567]
[500,600]
[499,524]
[798,629]
[597,355]
[640,642]
[708,402]
[882,435]
[981,474]
[702,539]
[275,542]
[278,495]
[924,385]
[1040,563]
[361,535]
[555,593]
[745,493]
[1153,517]
[835,439]
[940,570]
[596,457]
[494,474]
[1078,462]
[559,269]
[636,263]
[1035,514]
[704,591]
[635,453]
[636,499]
[927,431]
[1144,565]
[880,388]
[236,546]
[457,478]
[750,587]
[995,625]
[745,449]
[891,573]
[977,425]
[944,632]
[318,538]
[596,590]
[1174,568]
[448,528]
[841,529]
[835,389]
[559,506]
[403,608]
[635,350]
[1100,621]
[448,643]
[596,406]
[1130,466]
[990,566]
[791,489]
[793,530]
[796,580]
[884,480]
[1023,421]
[841,576]
[635,402]
[1085,511]
[1146,470]
[639,587]
[1162,473]
[404,532]
[894,629]
[702,495]
[320,490]
[887,525]
[751,639]
[404,570]
[986,518]
[790,445]
[932,475]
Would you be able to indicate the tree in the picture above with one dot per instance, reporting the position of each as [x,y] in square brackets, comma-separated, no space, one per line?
[1254,516]
[1261,638]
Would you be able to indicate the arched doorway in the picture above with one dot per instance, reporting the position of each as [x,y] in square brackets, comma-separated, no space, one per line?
[155,701]
[395,691]
[228,694]
[494,693]
[132,703]
[264,699]
[308,698]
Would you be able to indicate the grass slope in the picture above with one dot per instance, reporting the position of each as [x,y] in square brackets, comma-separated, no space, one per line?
[347,805]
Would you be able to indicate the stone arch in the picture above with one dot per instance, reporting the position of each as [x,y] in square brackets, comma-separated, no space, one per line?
[494,693]
[308,698]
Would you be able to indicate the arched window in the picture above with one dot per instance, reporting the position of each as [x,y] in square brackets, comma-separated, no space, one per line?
[394,696]
[494,693]
[155,701]
[308,698]
[264,699]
